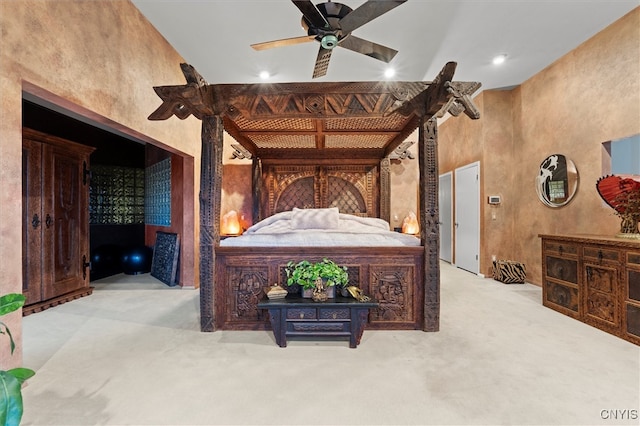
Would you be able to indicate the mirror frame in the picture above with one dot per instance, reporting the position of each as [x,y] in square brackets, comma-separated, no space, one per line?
[561,168]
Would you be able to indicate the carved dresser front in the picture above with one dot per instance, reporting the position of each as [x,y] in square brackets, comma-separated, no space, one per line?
[594,279]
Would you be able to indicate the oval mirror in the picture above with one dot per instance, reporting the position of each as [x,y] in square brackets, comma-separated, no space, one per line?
[557,181]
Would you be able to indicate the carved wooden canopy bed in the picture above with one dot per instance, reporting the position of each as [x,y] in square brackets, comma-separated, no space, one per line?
[319,145]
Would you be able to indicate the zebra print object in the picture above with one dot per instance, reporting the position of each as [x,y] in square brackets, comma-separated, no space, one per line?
[509,271]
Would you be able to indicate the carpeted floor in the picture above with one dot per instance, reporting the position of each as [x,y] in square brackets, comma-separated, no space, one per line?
[132,354]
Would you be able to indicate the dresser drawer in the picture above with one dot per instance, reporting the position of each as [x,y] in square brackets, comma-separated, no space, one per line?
[633,285]
[597,254]
[562,296]
[562,269]
[633,258]
[633,320]
[561,248]
[320,327]
[335,313]
[301,313]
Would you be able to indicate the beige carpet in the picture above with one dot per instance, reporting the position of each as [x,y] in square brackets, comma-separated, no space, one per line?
[132,354]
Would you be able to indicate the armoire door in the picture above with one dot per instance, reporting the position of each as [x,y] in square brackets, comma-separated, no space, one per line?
[32,221]
[56,190]
[66,209]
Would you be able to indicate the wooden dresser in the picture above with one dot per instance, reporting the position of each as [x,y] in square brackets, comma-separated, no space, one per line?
[594,279]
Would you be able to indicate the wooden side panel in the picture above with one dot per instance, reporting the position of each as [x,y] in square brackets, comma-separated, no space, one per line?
[631,306]
[394,288]
[32,221]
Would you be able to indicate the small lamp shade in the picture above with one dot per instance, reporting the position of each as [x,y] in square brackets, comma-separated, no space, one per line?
[230,224]
[410,224]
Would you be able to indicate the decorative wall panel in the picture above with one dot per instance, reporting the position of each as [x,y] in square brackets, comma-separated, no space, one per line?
[157,200]
[247,285]
[353,189]
[116,195]
[392,286]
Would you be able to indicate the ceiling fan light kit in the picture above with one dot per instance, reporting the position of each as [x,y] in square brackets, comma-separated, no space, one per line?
[329,41]
[331,25]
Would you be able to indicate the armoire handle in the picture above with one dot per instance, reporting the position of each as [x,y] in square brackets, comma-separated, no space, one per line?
[48,221]
[85,265]
[35,222]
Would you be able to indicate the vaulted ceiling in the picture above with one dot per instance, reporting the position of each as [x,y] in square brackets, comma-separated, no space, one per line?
[215,37]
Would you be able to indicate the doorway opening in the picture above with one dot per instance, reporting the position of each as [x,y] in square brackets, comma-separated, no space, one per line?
[118,231]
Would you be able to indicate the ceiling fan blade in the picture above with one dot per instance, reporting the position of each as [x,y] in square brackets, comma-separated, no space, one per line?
[322,62]
[367,12]
[282,42]
[369,48]
[311,13]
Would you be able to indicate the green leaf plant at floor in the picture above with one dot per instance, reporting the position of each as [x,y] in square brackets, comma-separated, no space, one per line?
[11,380]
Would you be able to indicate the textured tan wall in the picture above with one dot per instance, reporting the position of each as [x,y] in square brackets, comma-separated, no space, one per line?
[589,96]
[103,58]
[404,192]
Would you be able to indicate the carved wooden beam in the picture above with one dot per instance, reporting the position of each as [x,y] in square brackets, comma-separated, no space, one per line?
[461,100]
[429,218]
[239,152]
[195,97]
[402,151]
[199,99]
[431,100]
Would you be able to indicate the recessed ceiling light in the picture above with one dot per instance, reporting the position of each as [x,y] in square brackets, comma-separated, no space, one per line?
[389,72]
[499,59]
[264,75]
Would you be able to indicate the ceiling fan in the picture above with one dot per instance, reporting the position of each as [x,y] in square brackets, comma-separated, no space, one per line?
[331,25]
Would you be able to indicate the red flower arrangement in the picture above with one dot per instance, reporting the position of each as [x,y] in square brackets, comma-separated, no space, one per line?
[622,194]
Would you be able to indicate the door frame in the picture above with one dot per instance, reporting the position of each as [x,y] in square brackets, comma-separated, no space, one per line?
[475,165]
[38,95]
[448,175]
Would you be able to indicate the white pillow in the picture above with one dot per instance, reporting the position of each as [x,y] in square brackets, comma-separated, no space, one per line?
[315,218]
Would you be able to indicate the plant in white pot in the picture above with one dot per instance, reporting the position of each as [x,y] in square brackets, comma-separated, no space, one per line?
[319,278]
[11,381]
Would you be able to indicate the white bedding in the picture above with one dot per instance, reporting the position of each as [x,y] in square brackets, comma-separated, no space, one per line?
[320,228]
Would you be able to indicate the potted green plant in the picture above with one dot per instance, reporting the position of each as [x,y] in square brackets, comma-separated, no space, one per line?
[11,380]
[325,274]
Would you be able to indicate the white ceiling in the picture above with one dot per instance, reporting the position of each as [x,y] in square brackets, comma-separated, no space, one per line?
[214,36]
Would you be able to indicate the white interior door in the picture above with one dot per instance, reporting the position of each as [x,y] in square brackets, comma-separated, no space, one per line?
[446,216]
[467,217]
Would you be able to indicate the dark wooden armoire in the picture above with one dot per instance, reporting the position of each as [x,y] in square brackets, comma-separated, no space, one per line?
[55,200]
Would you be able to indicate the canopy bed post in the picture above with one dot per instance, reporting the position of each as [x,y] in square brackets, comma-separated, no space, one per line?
[210,198]
[256,178]
[429,218]
[385,189]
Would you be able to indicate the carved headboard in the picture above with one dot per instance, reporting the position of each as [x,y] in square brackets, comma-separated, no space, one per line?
[353,189]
